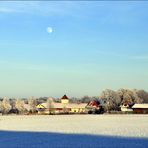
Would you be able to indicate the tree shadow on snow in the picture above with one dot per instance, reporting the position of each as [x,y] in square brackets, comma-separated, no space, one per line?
[14,139]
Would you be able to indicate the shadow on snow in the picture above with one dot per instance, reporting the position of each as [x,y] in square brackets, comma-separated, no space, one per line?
[14,139]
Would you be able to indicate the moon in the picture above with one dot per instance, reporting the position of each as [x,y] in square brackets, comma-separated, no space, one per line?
[49,29]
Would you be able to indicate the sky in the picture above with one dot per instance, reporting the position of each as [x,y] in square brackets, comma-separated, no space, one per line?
[52,48]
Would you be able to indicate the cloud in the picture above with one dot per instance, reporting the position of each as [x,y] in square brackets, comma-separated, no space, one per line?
[49,9]
[49,29]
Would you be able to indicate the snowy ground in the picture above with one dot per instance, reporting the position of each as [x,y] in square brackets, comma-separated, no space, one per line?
[74,131]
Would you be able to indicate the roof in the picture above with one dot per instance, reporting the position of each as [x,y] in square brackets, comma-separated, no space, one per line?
[40,106]
[71,105]
[64,97]
[76,105]
[140,105]
[54,104]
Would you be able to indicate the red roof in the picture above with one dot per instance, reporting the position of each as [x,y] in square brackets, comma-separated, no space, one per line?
[64,97]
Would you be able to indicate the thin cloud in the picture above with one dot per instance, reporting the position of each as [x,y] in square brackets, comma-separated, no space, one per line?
[22,66]
[140,57]
[110,53]
[43,8]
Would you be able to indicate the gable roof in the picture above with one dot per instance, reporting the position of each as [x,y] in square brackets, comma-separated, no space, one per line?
[41,106]
[140,105]
[60,105]
[64,97]
[54,105]
[76,105]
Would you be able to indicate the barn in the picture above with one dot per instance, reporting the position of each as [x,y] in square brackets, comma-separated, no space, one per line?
[140,108]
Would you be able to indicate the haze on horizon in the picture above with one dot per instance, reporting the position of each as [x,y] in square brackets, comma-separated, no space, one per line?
[77,48]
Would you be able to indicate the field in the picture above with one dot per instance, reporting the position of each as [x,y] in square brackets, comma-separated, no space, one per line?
[75,131]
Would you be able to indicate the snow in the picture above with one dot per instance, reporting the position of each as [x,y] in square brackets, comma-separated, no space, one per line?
[74,131]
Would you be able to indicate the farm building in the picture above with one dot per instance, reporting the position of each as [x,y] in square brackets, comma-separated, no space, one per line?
[126,108]
[64,100]
[140,108]
[94,107]
[63,107]
[43,108]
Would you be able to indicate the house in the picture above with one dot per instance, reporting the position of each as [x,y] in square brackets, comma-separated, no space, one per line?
[126,107]
[58,108]
[43,108]
[94,107]
[140,108]
[61,107]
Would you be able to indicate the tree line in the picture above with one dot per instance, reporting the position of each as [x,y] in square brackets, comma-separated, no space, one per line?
[17,106]
[111,101]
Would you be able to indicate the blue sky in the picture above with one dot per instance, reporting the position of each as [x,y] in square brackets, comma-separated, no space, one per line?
[91,46]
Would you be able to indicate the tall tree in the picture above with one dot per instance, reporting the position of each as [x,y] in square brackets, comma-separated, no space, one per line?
[32,103]
[1,107]
[20,106]
[110,99]
[50,105]
[143,95]
[6,105]
[129,96]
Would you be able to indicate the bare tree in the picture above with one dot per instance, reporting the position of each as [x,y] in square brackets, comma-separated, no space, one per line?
[20,106]
[137,98]
[6,105]
[110,99]
[50,106]
[32,103]
[143,95]
[129,96]
[1,107]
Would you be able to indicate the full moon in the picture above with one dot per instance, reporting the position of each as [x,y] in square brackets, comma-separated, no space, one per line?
[49,29]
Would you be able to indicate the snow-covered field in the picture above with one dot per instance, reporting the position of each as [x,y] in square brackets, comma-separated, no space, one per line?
[74,131]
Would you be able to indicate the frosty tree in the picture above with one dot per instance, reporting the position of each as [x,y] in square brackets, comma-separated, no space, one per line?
[20,106]
[5,105]
[1,107]
[129,96]
[110,99]
[50,105]
[143,95]
[32,103]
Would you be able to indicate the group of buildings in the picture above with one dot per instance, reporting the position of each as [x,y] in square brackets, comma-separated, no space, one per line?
[63,106]
[136,108]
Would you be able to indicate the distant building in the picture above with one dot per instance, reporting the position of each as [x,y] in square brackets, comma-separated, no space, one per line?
[94,107]
[126,108]
[140,108]
[64,100]
[63,107]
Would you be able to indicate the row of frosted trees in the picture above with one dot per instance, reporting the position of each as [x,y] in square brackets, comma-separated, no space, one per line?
[17,106]
[20,106]
[111,100]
